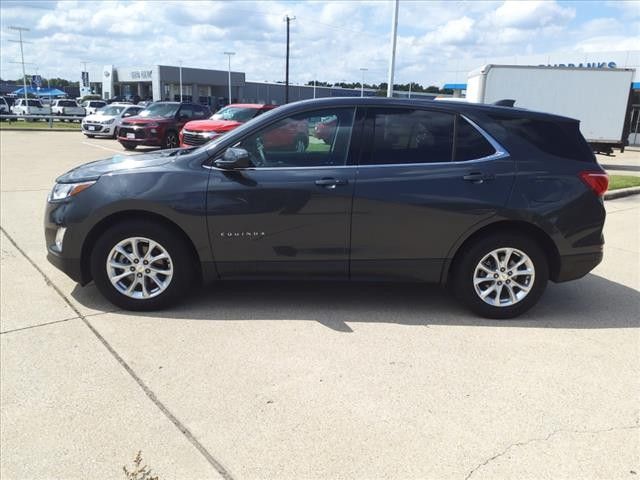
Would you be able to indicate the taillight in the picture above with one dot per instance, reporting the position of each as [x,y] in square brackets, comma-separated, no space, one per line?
[597,181]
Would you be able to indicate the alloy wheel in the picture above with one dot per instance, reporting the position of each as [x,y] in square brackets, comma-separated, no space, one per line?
[139,268]
[504,277]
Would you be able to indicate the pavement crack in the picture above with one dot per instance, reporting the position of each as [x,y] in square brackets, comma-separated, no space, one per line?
[38,325]
[222,471]
[544,439]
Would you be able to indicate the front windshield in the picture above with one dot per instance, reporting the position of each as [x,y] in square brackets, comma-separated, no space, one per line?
[236,114]
[111,110]
[165,110]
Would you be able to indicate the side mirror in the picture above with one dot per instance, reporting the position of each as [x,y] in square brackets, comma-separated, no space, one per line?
[234,158]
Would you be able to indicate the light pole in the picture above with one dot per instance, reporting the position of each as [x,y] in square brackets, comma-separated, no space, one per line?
[392,53]
[314,85]
[229,54]
[287,19]
[24,74]
[362,84]
[180,62]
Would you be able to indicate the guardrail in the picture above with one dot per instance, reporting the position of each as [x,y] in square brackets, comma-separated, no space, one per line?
[48,118]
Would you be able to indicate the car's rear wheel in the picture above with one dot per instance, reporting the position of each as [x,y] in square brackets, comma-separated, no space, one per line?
[129,145]
[171,140]
[501,275]
[141,265]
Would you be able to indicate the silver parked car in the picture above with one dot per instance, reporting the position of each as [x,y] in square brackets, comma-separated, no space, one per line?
[106,121]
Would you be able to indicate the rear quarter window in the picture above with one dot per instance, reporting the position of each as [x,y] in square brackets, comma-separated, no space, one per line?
[559,138]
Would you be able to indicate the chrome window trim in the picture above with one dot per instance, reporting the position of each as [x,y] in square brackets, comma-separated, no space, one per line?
[500,152]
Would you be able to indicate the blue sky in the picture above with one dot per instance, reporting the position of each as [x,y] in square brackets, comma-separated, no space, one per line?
[331,40]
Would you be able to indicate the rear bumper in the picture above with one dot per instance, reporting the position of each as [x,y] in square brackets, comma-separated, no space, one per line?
[573,267]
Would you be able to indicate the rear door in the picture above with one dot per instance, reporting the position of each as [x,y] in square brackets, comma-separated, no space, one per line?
[425,178]
[289,214]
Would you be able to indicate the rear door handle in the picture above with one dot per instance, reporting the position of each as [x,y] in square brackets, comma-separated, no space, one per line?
[331,183]
[478,177]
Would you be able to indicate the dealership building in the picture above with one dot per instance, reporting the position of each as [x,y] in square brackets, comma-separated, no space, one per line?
[211,87]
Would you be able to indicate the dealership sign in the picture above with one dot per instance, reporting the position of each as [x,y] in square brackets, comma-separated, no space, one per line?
[583,65]
[140,74]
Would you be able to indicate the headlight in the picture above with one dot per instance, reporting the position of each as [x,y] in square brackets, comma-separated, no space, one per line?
[108,122]
[65,190]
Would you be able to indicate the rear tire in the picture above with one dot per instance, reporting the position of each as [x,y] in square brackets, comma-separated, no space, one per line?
[147,287]
[489,267]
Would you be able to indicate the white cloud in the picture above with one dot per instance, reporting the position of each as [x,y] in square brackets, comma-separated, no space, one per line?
[437,40]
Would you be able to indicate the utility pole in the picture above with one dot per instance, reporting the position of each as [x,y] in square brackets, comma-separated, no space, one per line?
[24,74]
[362,84]
[410,89]
[229,54]
[287,19]
[392,53]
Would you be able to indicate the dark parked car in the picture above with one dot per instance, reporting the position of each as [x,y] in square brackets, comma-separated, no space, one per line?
[159,123]
[492,201]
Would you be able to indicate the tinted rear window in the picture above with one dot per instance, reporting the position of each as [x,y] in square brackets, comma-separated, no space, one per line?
[558,138]
[403,136]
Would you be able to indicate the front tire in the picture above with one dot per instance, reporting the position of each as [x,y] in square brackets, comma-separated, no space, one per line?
[129,145]
[171,140]
[501,275]
[142,265]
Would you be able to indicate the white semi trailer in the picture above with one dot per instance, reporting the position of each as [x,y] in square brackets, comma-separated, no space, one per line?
[599,97]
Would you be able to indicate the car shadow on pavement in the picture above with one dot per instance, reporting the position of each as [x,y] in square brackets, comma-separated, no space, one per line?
[592,302]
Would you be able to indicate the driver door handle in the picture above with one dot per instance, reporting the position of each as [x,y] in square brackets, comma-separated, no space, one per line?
[331,183]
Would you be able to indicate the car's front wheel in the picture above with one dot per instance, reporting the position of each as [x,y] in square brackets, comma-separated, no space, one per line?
[129,145]
[171,140]
[501,275]
[141,265]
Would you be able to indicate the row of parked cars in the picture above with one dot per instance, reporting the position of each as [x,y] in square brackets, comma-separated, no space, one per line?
[61,107]
[173,124]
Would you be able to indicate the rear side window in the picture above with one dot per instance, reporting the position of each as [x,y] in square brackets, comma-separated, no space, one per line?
[470,143]
[404,136]
[559,138]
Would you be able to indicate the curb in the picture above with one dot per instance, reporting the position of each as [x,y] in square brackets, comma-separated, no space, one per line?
[621,192]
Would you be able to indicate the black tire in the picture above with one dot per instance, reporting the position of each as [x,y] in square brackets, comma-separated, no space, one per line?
[171,140]
[182,263]
[115,133]
[129,145]
[90,136]
[465,265]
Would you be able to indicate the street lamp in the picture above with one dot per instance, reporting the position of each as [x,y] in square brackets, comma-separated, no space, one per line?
[229,54]
[180,62]
[362,84]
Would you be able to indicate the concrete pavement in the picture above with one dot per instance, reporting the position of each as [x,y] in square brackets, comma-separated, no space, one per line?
[288,380]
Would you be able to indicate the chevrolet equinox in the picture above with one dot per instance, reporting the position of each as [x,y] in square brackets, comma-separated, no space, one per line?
[492,201]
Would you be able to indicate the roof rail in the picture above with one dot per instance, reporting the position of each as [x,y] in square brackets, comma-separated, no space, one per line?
[505,102]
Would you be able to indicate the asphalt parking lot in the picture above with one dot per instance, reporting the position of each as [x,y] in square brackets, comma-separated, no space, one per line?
[301,381]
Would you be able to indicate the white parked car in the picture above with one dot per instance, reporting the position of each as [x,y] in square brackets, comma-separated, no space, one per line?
[106,121]
[67,108]
[30,107]
[92,106]
[4,107]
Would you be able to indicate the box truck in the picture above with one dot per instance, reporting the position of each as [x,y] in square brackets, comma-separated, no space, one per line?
[599,97]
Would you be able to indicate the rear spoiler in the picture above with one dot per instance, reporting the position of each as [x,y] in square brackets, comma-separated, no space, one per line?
[506,102]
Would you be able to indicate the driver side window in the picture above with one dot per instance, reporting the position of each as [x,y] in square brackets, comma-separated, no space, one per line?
[311,139]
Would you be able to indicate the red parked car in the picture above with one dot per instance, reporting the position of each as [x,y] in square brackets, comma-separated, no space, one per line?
[232,116]
[158,124]
[325,129]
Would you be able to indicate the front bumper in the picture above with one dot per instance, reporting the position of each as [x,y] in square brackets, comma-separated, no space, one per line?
[140,135]
[69,258]
[97,129]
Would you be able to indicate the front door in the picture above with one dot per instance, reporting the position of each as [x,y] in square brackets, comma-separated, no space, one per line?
[289,213]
